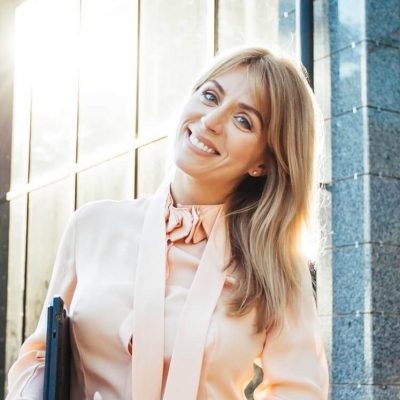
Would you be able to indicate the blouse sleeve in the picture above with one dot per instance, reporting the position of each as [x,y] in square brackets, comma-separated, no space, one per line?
[293,360]
[25,378]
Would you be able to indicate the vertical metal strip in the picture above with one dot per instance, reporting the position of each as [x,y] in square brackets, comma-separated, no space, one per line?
[210,28]
[305,29]
[216,26]
[136,133]
[27,213]
[78,72]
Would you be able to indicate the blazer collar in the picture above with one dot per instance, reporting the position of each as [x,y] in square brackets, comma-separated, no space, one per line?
[148,320]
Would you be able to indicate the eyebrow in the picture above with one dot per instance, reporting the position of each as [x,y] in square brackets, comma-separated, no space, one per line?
[241,105]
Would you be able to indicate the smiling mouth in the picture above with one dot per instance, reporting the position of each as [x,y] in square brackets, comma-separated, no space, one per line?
[200,145]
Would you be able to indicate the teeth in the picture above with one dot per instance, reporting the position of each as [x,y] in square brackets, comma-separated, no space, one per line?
[200,145]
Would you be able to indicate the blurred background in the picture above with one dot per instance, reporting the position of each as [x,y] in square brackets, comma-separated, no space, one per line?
[90,90]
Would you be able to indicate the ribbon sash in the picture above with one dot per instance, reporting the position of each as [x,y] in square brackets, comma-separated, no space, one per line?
[148,304]
[185,367]
[148,321]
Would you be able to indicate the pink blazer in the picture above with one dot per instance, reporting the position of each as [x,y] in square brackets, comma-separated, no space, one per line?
[110,270]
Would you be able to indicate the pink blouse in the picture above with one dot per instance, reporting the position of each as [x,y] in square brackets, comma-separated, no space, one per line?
[141,307]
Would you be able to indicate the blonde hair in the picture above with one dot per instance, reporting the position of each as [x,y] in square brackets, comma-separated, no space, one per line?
[267,215]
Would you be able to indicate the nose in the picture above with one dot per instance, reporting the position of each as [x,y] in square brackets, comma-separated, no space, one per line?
[213,120]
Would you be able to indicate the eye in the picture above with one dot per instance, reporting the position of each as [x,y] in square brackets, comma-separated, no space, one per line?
[209,96]
[244,122]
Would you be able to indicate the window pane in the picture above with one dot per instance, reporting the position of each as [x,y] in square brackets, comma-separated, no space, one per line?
[287,27]
[16,278]
[112,179]
[107,87]
[54,86]
[247,22]
[151,167]
[172,53]
[22,95]
[49,211]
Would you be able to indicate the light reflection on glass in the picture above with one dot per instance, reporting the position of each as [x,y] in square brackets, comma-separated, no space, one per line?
[22,95]
[107,87]
[172,53]
[247,22]
[54,29]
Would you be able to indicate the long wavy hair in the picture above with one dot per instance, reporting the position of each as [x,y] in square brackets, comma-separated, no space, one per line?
[267,216]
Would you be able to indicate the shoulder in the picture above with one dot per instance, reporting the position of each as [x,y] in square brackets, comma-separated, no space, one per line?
[111,212]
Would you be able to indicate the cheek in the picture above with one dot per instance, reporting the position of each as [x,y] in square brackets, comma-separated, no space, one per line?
[245,150]
[245,153]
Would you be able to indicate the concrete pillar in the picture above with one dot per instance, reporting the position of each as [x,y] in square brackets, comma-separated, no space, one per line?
[359,282]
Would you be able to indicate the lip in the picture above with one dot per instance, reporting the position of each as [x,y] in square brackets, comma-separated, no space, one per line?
[204,140]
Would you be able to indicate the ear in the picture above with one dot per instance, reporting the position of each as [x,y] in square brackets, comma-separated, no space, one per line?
[258,170]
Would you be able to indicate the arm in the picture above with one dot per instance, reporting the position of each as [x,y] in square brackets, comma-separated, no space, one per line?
[293,360]
[25,378]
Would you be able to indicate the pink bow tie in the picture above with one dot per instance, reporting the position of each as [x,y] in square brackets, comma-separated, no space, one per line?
[184,223]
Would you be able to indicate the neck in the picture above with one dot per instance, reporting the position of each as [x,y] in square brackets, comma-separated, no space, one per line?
[187,190]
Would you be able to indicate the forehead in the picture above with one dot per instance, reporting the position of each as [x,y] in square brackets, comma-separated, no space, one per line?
[234,81]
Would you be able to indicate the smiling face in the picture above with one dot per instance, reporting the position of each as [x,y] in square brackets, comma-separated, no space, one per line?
[220,136]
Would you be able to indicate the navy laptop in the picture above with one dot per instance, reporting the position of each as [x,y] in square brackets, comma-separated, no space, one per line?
[58,353]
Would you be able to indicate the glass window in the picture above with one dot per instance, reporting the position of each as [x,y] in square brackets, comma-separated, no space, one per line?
[107,85]
[172,52]
[247,22]
[16,277]
[287,27]
[152,167]
[54,86]
[113,179]
[49,211]
[22,96]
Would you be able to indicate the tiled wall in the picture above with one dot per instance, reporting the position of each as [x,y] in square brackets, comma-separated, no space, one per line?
[361,51]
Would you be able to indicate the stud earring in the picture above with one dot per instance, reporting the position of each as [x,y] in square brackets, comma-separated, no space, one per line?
[255,172]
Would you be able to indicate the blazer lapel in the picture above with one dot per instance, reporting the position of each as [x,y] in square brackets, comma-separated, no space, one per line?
[149,292]
[186,361]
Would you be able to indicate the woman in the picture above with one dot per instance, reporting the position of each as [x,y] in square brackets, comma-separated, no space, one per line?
[177,295]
